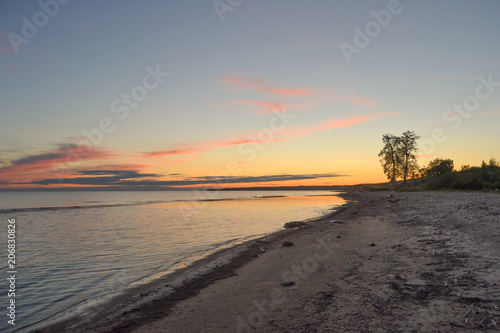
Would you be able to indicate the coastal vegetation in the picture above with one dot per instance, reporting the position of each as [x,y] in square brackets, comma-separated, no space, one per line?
[440,175]
[399,162]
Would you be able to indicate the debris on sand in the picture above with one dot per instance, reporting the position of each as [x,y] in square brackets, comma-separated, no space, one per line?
[295,224]
[287,283]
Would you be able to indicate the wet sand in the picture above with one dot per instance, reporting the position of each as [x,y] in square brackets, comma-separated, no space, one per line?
[384,262]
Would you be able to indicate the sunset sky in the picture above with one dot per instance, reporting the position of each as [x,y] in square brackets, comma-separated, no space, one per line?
[240,92]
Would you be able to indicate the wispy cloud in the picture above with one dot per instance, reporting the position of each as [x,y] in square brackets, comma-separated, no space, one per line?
[71,172]
[64,153]
[128,178]
[123,166]
[261,85]
[301,131]
[99,177]
[119,174]
[201,147]
[287,134]
[176,151]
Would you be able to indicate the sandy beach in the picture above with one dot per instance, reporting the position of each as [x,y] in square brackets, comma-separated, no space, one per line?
[384,262]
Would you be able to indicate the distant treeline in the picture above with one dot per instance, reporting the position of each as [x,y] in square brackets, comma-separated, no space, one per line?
[284,188]
[440,175]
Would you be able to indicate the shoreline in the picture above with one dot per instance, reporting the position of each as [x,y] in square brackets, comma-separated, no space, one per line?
[402,262]
[136,305]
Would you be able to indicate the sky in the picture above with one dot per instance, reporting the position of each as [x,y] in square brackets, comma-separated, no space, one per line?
[237,93]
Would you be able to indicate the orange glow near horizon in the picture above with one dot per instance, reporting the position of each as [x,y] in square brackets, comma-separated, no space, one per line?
[195,171]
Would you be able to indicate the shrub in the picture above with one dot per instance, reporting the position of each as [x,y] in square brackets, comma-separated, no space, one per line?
[485,177]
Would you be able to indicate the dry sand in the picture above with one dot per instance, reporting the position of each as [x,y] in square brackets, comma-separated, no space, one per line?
[386,262]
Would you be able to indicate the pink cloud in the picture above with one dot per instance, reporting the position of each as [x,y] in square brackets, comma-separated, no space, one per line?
[122,166]
[195,148]
[301,131]
[261,85]
[255,138]
[201,147]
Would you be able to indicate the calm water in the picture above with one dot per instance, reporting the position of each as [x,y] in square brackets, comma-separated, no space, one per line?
[76,246]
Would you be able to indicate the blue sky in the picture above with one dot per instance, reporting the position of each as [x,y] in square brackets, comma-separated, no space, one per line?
[227,80]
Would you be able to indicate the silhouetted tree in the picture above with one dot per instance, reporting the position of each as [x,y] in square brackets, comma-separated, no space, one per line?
[398,155]
[493,163]
[438,167]
[390,159]
[406,151]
